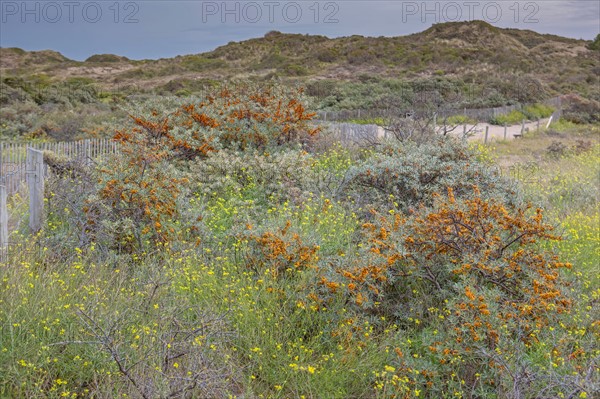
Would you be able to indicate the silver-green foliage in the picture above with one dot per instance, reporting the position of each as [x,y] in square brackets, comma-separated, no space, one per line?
[404,175]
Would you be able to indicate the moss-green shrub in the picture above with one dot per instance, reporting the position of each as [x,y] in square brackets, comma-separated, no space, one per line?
[459,120]
[537,111]
[595,44]
[272,60]
[295,70]
[328,55]
[106,58]
[512,118]
[199,63]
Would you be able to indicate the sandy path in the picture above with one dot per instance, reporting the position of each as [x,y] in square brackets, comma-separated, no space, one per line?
[476,133]
[496,133]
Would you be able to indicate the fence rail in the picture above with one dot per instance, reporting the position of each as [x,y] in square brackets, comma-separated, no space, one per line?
[24,163]
[353,133]
[13,157]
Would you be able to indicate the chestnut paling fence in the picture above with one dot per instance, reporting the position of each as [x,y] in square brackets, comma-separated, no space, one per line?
[13,157]
[23,172]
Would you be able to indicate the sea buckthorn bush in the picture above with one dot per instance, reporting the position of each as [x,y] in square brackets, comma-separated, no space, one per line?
[469,278]
[473,241]
[150,174]
[271,179]
[402,176]
[268,179]
[280,252]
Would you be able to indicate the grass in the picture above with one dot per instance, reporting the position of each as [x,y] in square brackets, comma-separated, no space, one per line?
[368,121]
[538,111]
[529,112]
[512,118]
[460,120]
[534,145]
[93,323]
[567,186]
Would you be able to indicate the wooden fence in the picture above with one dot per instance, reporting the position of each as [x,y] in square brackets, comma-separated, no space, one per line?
[3,221]
[24,163]
[13,157]
[352,133]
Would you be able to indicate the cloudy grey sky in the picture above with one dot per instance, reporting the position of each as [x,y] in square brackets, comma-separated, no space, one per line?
[165,28]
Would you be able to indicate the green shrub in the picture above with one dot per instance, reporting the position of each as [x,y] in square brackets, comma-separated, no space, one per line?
[512,118]
[580,110]
[267,179]
[404,176]
[328,55]
[137,73]
[557,149]
[460,120]
[295,70]
[106,58]
[595,44]
[538,111]
[272,61]
[198,63]
[10,95]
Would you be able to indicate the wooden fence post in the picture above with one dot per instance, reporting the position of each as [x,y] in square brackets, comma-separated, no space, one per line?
[487,130]
[3,221]
[522,127]
[505,131]
[35,182]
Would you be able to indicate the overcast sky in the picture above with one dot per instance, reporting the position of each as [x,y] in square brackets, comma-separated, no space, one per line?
[161,28]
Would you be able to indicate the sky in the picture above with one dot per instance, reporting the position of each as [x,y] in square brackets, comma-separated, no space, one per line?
[153,29]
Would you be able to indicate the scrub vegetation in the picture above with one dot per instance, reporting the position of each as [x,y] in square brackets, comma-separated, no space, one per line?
[232,249]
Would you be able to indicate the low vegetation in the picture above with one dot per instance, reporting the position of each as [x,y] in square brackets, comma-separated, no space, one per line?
[233,250]
[528,113]
[458,65]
